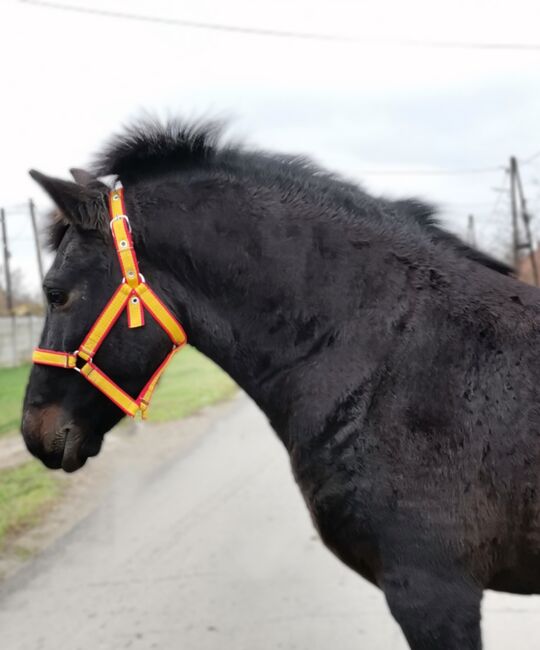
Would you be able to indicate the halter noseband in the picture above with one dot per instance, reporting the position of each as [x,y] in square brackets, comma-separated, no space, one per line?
[134,295]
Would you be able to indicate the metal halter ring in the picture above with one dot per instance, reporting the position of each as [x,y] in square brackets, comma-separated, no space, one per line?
[76,355]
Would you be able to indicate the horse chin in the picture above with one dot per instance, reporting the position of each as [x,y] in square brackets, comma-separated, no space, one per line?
[78,448]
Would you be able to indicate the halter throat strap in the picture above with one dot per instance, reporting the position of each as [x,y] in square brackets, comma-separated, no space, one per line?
[133,296]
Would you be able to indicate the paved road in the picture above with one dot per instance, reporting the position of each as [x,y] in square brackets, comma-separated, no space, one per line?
[214,551]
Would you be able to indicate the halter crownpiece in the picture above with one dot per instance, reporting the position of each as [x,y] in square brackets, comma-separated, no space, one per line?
[133,295]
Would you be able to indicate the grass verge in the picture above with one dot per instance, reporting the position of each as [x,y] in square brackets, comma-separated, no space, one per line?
[12,385]
[26,493]
[189,383]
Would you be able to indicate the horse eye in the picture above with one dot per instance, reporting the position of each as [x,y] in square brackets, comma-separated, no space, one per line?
[56,297]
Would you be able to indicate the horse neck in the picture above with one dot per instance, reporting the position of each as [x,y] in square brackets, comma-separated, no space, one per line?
[270,288]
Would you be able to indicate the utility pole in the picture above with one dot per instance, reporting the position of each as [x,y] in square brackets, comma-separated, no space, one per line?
[9,295]
[527,225]
[36,238]
[513,203]
[471,234]
[516,192]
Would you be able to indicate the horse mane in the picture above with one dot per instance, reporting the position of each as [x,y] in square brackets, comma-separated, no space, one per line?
[149,147]
[426,215]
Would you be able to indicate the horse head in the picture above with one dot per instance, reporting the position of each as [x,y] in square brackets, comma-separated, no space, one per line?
[64,417]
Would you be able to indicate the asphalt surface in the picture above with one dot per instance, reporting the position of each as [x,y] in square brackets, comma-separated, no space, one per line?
[213,550]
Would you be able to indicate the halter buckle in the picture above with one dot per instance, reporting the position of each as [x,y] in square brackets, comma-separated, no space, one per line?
[120,216]
[141,278]
[109,315]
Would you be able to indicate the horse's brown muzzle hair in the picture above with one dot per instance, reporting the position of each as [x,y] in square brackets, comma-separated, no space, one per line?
[52,436]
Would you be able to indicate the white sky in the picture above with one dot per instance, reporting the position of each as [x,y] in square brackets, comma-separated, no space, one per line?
[68,80]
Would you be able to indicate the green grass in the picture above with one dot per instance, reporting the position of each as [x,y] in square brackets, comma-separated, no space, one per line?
[26,493]
[190,382]
[12,385]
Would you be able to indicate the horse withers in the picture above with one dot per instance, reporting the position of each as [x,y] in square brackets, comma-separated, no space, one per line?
[399,367]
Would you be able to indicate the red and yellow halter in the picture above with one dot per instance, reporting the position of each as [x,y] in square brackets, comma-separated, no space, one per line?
[134,295]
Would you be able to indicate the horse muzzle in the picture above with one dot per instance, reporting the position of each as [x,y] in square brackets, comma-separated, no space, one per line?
[52,436]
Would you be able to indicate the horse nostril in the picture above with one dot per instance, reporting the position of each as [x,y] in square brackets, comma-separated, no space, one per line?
[66,429]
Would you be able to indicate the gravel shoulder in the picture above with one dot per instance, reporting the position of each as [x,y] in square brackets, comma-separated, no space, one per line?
[193,536]
[133,449]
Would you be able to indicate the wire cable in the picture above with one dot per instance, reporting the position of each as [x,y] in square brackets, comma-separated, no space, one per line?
[277,33]
[429,172]
[530,159]
[500,195]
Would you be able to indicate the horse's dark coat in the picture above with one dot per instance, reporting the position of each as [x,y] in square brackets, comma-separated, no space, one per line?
[398,366]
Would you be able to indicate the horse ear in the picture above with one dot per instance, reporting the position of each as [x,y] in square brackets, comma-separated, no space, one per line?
[82,177]
[85,207]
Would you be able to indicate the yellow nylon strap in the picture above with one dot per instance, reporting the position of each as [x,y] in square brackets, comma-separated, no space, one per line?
[122,236]
[116,203]
[146,394]
[51,358]
[134,294]
[117,207]
[110,389]
[135,312]
[162,315]
[126,253]
[105,321]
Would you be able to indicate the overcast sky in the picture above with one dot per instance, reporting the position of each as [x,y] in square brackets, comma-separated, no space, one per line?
[409,112]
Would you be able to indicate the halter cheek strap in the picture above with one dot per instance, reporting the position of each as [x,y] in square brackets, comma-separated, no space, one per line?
[134,296]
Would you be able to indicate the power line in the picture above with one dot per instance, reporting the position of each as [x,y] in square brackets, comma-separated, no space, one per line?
[530,159]
[442,172]
[277,33]
[504,192]
[15,208]
[20,238]
[466,204]
[500,195]
[428,172]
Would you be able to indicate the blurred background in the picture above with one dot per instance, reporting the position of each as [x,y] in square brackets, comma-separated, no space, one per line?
[409,99]
[439,101]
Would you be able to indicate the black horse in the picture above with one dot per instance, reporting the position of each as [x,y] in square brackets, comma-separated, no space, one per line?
[400,368]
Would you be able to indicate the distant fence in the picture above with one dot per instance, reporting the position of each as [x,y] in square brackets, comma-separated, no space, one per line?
[18,336]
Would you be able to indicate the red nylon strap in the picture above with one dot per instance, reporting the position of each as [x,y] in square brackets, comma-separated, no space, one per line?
[133,295]
[123,242]
[104,322]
